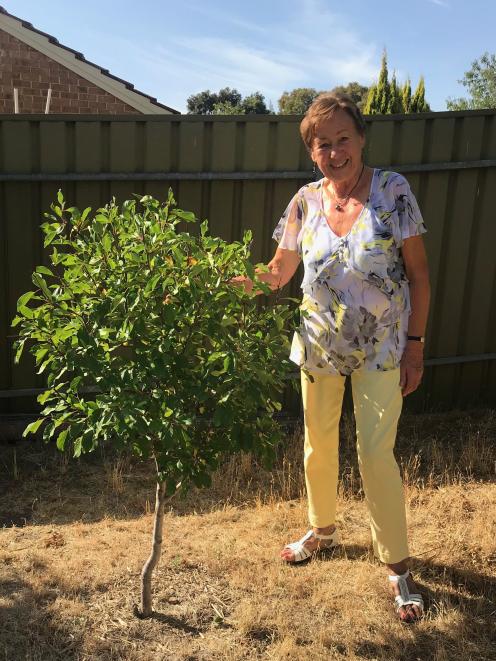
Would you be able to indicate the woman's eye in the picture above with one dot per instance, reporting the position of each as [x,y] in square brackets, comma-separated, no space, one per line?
[344,138]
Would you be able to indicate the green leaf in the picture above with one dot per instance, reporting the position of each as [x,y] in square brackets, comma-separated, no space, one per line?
[104,220]
[188,216]
[250,271]
[20,349]
[33,427]
[40,282]
[78,446]
[61,439]
[44,396]
[60,197]
[40,354]
[25,311]
[44,270]
[84,214]
[25,298]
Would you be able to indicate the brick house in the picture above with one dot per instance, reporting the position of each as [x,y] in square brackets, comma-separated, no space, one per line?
[33,62]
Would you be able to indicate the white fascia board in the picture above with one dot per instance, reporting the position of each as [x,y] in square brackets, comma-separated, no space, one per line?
[82,69]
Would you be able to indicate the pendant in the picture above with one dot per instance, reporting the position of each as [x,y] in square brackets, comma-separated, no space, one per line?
[338,207]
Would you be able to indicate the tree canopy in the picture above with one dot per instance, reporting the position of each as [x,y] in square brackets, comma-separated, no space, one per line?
[148,346]
[226,101]
[354,90]
[297,101]
[480,81]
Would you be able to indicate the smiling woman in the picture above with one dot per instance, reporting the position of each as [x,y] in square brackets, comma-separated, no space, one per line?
[365,300]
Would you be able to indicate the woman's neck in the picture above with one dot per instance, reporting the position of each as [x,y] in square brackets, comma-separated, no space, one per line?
[340,189]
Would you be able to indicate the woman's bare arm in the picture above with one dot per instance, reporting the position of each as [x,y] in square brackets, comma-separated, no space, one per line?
[281,267]
[417,272]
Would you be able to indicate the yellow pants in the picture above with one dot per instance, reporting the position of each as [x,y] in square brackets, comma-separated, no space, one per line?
[377,403]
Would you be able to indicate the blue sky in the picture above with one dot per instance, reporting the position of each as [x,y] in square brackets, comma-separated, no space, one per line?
[172,49]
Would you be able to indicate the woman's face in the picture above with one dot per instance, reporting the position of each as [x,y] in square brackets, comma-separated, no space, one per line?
[337,147]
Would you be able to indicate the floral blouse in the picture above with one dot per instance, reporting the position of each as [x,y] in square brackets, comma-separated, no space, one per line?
[356,300]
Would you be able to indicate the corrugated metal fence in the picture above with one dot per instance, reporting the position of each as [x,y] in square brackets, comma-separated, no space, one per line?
[240,172]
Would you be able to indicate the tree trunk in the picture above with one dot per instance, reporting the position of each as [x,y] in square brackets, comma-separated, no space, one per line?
[151,563]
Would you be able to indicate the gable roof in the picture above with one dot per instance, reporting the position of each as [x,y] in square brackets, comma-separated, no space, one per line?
[76,62]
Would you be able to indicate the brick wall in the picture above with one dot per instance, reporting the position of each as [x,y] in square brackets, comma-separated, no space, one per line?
[32,73]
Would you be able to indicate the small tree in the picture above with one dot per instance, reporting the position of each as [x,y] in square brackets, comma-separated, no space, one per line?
[148,347]
[480,82]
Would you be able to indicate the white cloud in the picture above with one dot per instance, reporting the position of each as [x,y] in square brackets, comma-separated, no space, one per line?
[440,3]
[250,57]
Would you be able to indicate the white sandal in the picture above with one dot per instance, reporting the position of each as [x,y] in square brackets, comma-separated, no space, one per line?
[406,598]
[300,551]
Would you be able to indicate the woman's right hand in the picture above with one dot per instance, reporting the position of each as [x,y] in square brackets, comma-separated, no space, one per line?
[242,281]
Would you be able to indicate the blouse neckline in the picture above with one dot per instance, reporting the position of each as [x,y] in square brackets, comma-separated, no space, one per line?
[357,219]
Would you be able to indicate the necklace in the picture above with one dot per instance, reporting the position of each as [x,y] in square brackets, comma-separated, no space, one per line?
[340,204]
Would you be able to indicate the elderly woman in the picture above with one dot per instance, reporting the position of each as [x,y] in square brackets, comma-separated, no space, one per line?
[364,312]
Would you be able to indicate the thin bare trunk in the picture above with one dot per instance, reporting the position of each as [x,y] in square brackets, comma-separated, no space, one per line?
[151,563]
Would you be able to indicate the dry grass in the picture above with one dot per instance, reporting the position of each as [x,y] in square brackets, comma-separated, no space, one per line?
[76,534]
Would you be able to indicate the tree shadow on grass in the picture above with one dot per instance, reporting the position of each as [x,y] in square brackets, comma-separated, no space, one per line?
[28,630]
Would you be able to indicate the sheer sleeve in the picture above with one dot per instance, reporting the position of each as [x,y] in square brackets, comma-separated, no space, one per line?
[410,218]
[288,228]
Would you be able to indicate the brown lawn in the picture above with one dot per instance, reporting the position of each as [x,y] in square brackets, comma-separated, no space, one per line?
[75,535]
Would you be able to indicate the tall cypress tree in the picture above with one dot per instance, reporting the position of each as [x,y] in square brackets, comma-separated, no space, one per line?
[386,97]
[383,91]
[370,103]
[419,104]
[395,104]
[406,96]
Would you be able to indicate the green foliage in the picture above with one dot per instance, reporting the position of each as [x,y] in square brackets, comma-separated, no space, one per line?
[387,97]
[147,345]
[355,91]
[395,104]
[418,102]
[254,104]
[297,101]
[226,101]
[480,82]
[406,96]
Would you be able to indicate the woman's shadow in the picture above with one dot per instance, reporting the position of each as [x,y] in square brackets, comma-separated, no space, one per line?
[472,594]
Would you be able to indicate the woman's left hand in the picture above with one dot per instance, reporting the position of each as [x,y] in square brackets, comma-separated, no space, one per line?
[411,367]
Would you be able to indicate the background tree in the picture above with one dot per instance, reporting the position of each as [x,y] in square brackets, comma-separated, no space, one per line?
[297,101]
[480,81]
[418,102]
[149,348]
[395,104]
[254,104]
[406,96]
[202,103]
[378,97]
[354,90]
[227,109]
[386,97]
[226,101]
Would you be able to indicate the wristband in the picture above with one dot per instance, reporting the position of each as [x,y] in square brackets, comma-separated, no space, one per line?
[416,338]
